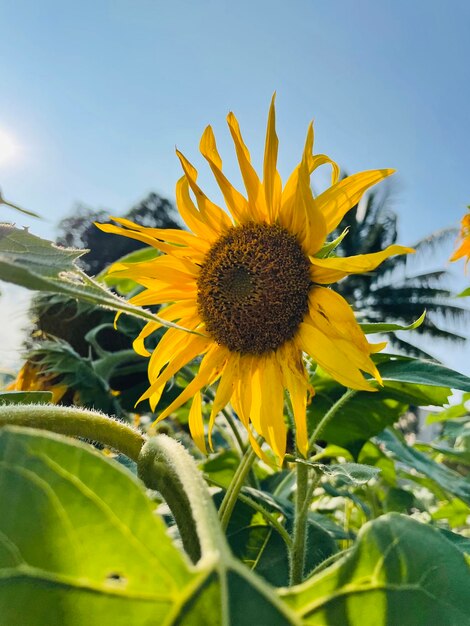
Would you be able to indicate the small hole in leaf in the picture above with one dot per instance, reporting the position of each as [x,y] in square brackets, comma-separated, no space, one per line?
[116,578]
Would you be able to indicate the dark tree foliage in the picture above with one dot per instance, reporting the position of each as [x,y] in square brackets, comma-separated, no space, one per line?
[78,231]
[390,293]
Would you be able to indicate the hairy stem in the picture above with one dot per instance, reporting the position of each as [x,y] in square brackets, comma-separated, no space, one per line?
[165,465]
[299,544]
[75,422]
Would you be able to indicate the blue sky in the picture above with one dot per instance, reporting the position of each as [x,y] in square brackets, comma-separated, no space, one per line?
[97,94]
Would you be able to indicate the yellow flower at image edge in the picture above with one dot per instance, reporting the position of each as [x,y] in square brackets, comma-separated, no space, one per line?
[252,286]
[464,249]
[32,378]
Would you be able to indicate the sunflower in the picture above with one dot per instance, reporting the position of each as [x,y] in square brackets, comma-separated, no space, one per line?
[252,283]
[31,377]
[464,249]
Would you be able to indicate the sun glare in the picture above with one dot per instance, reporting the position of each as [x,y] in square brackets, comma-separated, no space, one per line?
[9,148]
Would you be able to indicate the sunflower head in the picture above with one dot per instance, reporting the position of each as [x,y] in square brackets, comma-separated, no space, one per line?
[251,280]
[32,377]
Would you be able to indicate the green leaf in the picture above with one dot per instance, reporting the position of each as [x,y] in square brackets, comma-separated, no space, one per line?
[79,538]
[465,293]
[344,473]
[330,247]
[221,467]
[351,473]
[263,549]
[25,397]
[367,414]
[447,479]
[399,572]
[455,512]
[454,411]
[409,370]
[370,329]
[399,500]
[361,417]
[80,544]
[371,454]
[457,455]
[459,541]
[40,265]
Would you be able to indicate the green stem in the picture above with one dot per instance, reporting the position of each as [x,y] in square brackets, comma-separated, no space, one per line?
[329,415]
[165,465]
[106,365]
[304,495]
[269,517]
[299,544]
[231,422]
[231,495]
[75,422]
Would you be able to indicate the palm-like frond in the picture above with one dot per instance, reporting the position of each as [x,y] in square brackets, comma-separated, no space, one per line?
[391,293]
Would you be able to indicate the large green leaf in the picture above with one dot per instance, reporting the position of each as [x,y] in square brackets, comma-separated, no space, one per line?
[405,381]
[79,541]
[446,478]
[80,544]
[399,573]
[38,264]
[262,548]
[409,370]
[360,418]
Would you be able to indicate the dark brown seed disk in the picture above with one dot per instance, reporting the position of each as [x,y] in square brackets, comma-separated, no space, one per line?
[253,288]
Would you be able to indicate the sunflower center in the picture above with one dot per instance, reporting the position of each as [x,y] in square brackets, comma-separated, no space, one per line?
[253,288]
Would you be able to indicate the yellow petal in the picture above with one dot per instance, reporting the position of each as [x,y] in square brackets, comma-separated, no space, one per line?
[332,315]
[173,342]
[170,235]
[250,177]
[241,401]
[296,383]
[322,159]
[139,236]
[171,313]
[139,342]
[186,352]
[267,405]
[166,269]
[331,358]
[209,371]
[271,179]
[337,200]
[158,292]
[224,390]
[196,425]
[212,214]
[299,213]
[190,214]
[332,269]
[236,203]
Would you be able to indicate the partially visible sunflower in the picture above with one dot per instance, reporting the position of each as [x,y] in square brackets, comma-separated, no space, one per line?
[252,287]
[464,249]
[32,378]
